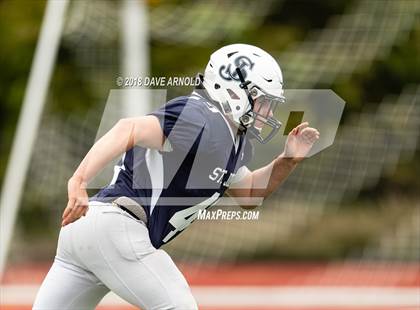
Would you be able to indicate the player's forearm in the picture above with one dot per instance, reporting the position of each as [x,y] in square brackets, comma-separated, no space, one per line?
[112,144]
[275,172]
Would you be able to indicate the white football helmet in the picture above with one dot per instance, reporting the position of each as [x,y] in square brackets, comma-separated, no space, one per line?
[239,75]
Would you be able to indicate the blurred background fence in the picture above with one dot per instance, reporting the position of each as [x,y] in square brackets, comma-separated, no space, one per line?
[357,200]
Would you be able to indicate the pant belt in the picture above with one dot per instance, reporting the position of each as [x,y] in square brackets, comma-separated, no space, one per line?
[131,207]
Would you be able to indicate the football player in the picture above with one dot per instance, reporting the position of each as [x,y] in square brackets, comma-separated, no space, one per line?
[175,161]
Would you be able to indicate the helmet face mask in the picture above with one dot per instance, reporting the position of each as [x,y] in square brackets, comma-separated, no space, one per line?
[248,85]
[264,126]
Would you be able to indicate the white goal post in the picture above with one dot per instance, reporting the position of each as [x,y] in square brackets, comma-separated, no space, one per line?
[134,62]
[29,119]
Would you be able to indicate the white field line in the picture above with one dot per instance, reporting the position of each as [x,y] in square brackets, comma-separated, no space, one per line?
[254,296]
[306,296]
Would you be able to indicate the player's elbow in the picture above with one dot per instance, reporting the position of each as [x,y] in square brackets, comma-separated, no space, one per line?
[253,200]
[248,207]
[249,203]
[246,198]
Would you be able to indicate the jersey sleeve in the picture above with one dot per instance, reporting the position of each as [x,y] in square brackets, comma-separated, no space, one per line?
[182,124]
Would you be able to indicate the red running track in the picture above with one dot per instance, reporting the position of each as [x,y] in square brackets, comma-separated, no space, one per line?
[259,278]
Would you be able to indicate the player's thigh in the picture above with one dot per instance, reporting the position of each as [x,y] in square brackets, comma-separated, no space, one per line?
[134,269]
[172,281]
[153,282]
[68,287]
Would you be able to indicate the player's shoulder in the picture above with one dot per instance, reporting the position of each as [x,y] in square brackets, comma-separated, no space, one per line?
[210,112]
[186,108]
[196,109]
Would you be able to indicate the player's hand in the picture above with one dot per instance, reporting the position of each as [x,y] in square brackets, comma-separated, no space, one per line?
[78,203]
[300,141]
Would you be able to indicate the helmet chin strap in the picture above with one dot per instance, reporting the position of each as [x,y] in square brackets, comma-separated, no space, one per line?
[248,118]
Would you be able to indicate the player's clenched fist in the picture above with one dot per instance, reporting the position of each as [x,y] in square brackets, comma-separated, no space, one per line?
[300,141]
[78,201]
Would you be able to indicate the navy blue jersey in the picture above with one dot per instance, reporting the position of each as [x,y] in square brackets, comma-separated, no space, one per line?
[201,158]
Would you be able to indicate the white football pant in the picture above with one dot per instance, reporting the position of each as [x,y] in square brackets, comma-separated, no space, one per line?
[109,250]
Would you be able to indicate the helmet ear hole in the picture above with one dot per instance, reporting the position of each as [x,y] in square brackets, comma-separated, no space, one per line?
[216,86]
[238,108]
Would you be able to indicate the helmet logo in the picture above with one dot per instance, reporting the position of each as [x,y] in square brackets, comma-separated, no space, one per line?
[241,62]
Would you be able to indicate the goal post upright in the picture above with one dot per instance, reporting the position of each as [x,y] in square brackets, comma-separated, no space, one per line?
[29,120]
[134,58]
